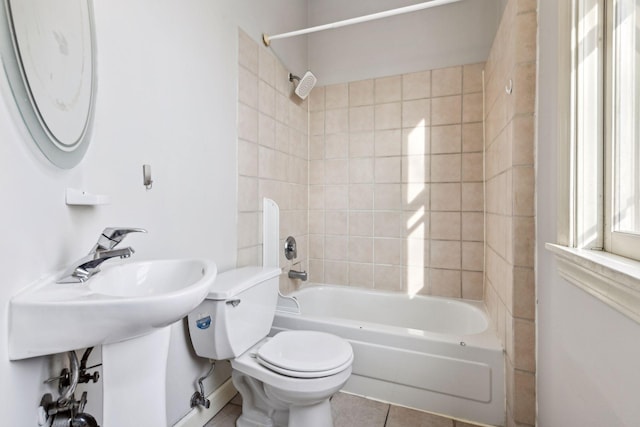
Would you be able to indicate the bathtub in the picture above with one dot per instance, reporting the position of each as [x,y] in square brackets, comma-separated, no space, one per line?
[434,354]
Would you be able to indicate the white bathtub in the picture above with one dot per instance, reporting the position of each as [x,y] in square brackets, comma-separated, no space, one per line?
[429,353]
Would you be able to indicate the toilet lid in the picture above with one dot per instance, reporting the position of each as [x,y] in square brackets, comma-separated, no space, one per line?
[305,354]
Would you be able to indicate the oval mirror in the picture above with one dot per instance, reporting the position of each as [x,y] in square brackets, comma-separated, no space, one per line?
[48,54]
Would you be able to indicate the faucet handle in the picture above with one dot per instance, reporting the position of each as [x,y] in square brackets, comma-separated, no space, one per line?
[111,236]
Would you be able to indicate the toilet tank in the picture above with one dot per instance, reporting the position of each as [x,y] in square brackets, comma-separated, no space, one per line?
[237,313]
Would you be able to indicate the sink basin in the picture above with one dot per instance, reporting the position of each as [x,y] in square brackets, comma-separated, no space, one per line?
[121,302]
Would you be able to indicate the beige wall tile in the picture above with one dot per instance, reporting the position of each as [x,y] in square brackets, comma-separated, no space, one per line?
[337,146]
[416,253]
[445,167]
[316,271]
[416,169]
[336,121]
[416,85]
[316,246]
[387,277]
[361,170]
[446,110]
[316,172]
[336,273]
[445,226]
[247,158]
[388,116]
[445,254]
[446,283]
[472,196]
[415,280]
[267,67]
[473,256]
[388,197]
[472,167]
[336,248]
[388,224]
[247,87]
[387,251]
[361,249]
[316,99]
[388,143]
[446,139]
[316,197]
[472,287]
[267,131]
[335,223]
[316,222]
[472,77]
[361,275]
[523,191]
[247,52]
[361,144]
[266,99]
[247,123]
[247,229]
[336,171]
[336,197]
[387,169]
[361,93]
[416,224]
[523,241]
[361,224]
[473,226]
[472,108]
[361,196]
[472,137]
[388,89]
[416,141]
[337,96]
[445,197]
[446,81]
[247,194]
[416,113]
[361,119]
[416,198]
[316,123]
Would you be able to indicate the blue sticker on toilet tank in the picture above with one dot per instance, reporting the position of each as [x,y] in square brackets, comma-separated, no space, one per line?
[203,323]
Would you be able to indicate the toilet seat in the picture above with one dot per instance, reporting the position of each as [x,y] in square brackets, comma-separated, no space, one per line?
[305,354]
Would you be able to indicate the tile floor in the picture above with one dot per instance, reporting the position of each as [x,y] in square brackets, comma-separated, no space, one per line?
[354,411]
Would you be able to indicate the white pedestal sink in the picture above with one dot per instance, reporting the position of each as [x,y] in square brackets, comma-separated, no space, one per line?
[126,308]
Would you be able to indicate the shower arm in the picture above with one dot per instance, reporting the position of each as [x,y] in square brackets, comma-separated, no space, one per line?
[266,39]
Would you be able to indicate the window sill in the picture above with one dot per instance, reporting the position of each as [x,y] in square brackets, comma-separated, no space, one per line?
[612,279]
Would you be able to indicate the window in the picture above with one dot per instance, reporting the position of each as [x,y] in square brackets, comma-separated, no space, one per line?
[599,150]
[622,205]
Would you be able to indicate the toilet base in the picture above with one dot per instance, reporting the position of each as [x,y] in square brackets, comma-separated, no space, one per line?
[260,408]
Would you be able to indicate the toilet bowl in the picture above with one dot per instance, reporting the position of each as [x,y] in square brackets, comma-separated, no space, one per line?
[285,380]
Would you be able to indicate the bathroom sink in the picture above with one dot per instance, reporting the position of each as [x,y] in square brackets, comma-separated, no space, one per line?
[121,302]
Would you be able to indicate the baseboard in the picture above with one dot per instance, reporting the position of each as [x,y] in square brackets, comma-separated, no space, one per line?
[199,416]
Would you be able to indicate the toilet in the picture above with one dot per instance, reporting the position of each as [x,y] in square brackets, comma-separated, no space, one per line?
[285,380]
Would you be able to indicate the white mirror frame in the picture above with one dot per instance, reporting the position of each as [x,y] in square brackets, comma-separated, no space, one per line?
[61,154]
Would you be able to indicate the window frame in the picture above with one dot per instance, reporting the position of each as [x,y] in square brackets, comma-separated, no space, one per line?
[616,242]
[584,197]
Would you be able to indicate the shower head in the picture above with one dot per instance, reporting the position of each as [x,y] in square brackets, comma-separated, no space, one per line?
[305,84]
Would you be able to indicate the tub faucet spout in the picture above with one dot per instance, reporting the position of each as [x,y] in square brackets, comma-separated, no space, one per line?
[302,275]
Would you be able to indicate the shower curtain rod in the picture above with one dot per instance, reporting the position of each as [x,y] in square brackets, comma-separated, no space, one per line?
[266,39]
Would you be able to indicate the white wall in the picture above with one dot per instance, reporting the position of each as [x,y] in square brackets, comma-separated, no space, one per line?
[454,34]
[167,97]
[587,353]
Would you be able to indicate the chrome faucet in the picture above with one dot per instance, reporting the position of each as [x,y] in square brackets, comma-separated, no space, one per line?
[293,274]
[89,265]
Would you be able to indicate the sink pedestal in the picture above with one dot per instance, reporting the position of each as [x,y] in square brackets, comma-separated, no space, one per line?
[134,381]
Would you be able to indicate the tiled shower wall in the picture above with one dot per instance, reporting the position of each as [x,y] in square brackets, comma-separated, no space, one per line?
[396,183]
[272,155]
[510,290]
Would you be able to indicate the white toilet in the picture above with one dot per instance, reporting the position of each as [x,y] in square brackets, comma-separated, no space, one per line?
[286,380]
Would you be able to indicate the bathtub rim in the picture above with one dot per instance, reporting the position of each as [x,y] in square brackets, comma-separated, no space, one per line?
[487,339]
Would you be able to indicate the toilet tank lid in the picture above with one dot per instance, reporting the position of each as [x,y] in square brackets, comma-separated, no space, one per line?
[230,283]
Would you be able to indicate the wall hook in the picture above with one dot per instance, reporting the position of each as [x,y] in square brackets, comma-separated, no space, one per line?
[509,87]
[146,177]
